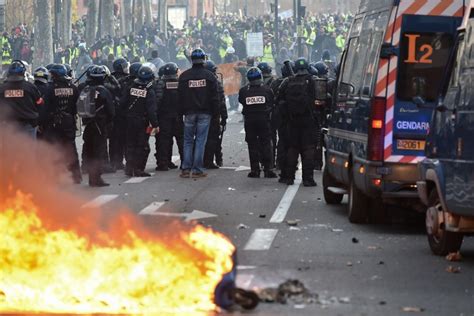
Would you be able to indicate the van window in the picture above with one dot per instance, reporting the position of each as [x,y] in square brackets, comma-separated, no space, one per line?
[349,61]
[422,61]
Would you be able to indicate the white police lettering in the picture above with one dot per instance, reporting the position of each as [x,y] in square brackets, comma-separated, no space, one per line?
[14,93]
[63,92]
[171,85]
[197,83]
[138,93]
[255,100]
[413,126]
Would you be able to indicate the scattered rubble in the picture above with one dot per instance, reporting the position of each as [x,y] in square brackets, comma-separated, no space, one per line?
[355,240]
[243,226]
[411,309]
[454,257]
[454,270]
[293,222]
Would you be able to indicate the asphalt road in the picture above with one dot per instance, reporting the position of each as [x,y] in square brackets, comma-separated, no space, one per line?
[353,269]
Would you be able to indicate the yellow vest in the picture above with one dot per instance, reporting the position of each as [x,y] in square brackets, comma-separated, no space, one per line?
[6,57]
[268,54]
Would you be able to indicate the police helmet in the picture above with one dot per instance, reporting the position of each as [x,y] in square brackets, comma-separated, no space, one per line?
[287,68]
[106,69]
[301,64]
[121,65]
[322,68]
[312,70]
[326,55]
[198,56]
[134,68]
[254,75]
[41,74]
[97,73]
[265,68]
[169,69]
[152,66]
[70,71]
[17,69]
[145,74]
[211,66]
[58,71]
[49,66]
[161,71]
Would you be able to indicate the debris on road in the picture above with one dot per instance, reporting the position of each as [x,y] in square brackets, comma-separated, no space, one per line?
[295,228]
[231,189]
[243,226]
[355,240]
[262,215]
[454,270]
[373,247]
[344,300]
[349,264]
[411,309]
[293,222]
[337,230]
[290,291]
[454,257]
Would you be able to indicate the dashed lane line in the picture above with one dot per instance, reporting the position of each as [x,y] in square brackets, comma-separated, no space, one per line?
[136,180]
[261,239]
[285,203]
[100,200]
[152,208]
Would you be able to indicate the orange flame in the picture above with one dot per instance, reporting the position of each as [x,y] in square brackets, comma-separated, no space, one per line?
[57,270]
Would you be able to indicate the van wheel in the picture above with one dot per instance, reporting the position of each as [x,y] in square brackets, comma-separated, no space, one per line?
[441,241]
[378,213]
[358,205]
[330,197]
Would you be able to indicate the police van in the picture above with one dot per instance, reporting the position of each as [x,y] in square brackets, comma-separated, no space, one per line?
[396,50]
[446,186]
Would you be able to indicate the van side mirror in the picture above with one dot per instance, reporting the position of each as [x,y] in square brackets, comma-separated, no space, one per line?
[419,101]
[346,88]
[388,50]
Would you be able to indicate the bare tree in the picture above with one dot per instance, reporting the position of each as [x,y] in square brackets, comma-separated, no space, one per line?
[92,15]
[148,14]
[200,8]
[125,17]
[43,54]
[162,15]
[138,15]
[108,18]
[66,22]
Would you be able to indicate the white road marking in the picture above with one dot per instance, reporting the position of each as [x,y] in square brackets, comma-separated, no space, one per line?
[285,203]
[100,200]
[242,168]
[152,208]
[136,180]
[239,268]
[244,281]
[261,239]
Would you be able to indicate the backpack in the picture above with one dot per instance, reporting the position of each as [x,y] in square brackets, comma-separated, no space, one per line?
[86,103]
[297,95]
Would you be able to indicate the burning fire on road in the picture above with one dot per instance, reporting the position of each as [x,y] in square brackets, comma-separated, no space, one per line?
[58,258]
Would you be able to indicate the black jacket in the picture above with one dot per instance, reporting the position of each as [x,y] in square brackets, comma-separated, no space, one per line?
[139,101]
[104,103]
[197,90]
[60,102]
[19,101]
[257,101]
[167,98]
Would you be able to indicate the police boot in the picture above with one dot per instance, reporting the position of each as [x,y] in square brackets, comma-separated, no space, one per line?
[254,174]
[162,167]
[309,183]
[270,174]
[98,183]
[172,166]
[128,170]
[211,165]
[141,174]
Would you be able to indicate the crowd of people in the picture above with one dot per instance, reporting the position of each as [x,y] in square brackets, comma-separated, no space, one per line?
[150,93]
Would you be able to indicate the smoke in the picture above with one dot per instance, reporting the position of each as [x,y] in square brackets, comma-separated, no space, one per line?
[39,170]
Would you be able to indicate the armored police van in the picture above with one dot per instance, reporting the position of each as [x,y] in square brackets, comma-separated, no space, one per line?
[396,50]
[447,174]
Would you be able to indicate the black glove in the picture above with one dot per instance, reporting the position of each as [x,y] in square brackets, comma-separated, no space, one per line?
[223,122]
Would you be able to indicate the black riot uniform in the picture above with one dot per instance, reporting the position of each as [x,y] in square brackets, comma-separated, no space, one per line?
[139,105]
[216,128]
[257,101]
[95,137]
[59,122]
[297,108]
[170,122]
[20,100]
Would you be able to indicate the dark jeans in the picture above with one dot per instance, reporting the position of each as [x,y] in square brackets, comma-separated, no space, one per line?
[196,129]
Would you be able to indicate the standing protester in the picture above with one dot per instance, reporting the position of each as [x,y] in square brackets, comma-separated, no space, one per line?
[96,107]
[170,122]
[139,106]
[257,101]
[199,100]
[217,126]
[298,96]
[59,126]
[19,100]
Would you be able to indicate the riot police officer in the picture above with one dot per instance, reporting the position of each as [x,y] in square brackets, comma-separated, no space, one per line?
[257,101]
[59,125]
[20,100]
[41,75]
[117,141]
[139,106]
[217,127]
[266,70]
[95,137]
[170,122]
[297,108]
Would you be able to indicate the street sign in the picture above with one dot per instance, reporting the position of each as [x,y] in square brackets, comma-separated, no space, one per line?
[255,44]
[286,14]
